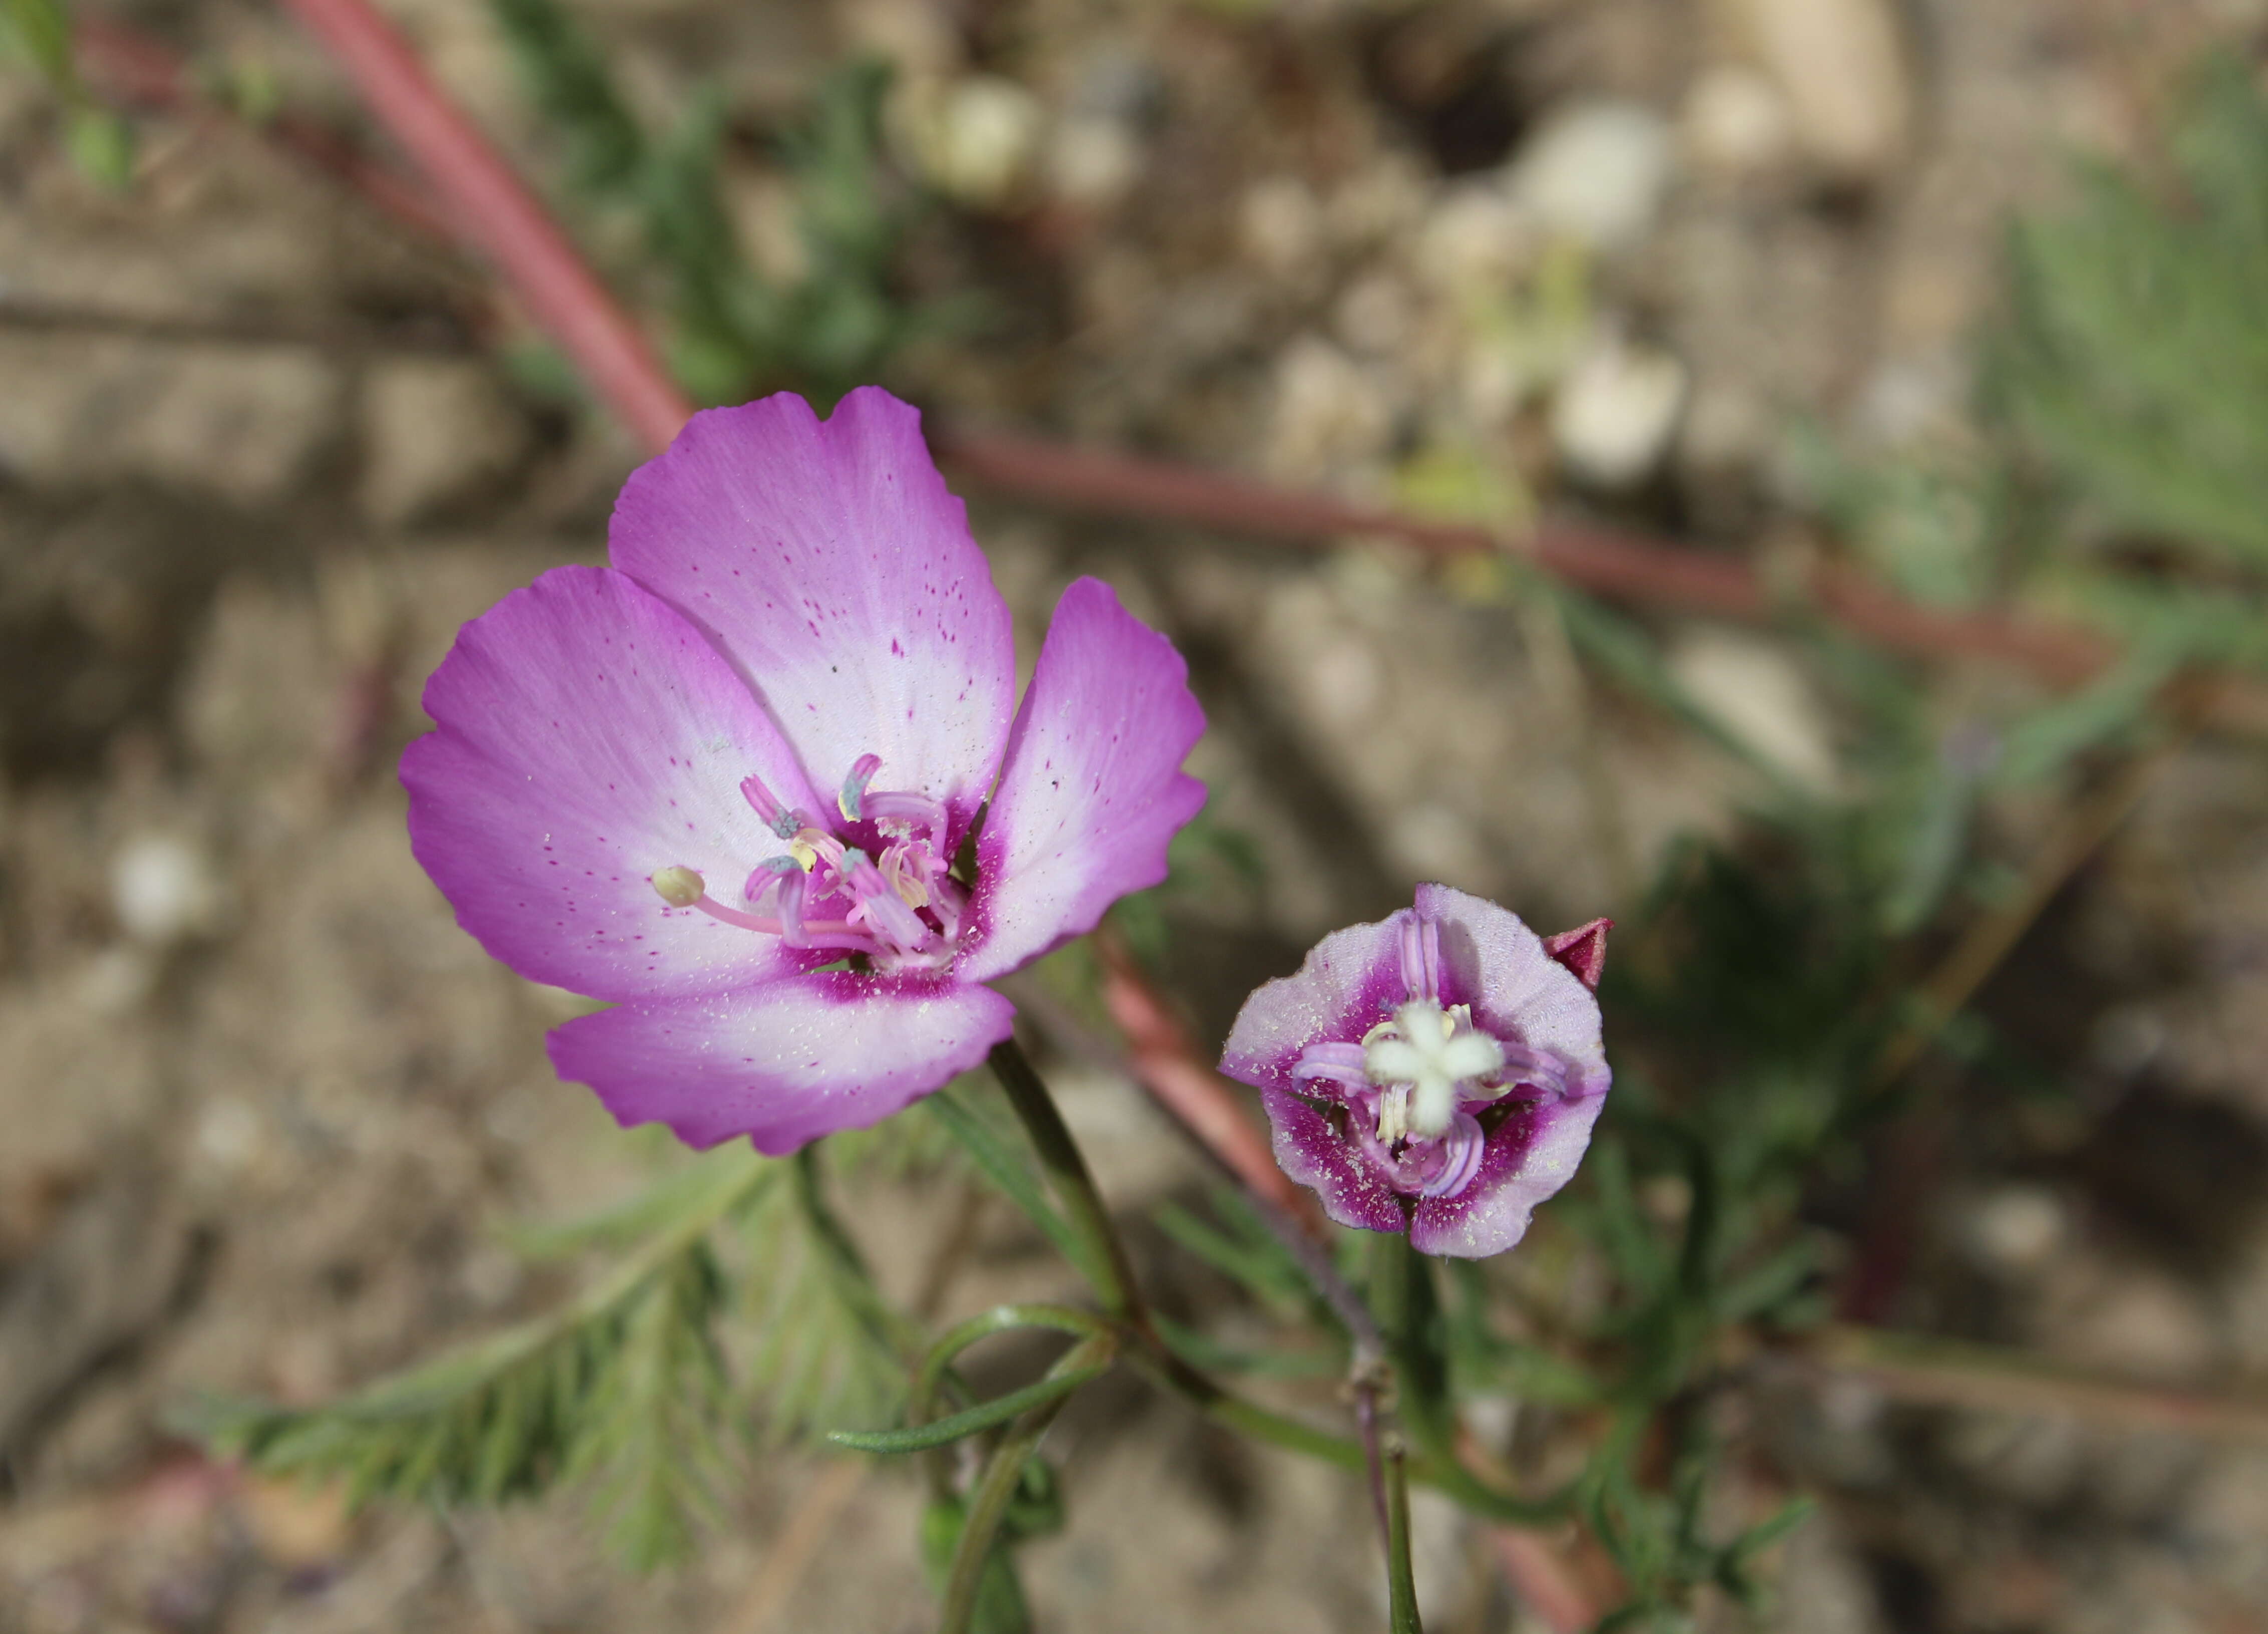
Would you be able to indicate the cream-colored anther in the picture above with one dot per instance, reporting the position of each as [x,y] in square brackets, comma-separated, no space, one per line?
[1426,1052]
[680,887]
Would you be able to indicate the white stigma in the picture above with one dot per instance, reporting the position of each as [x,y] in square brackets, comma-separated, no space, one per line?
[1420,1058]
[680,887]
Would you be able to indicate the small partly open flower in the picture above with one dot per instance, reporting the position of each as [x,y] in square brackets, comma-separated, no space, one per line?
[1436,1073]
[727,783]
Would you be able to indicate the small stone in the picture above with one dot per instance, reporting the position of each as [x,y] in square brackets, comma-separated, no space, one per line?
[1737,123]
[1616,411]
[977,137]
[165,890]
[2017,1229]
[296,1524]
[1280,224]
[1841,65]
[1093,161]
[1329,413]
[1596,173]
[435,432]
[1474,239]
[1374,315]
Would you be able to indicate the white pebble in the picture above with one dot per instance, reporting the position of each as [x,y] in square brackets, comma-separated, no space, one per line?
[165,890]
[1596,173]
[1615,412]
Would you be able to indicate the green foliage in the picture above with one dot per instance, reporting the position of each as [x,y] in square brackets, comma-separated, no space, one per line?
[734,331]
[984,1415]
[2136,357]
[737,1302]
[1658,1537]
[100,142]
[623,1386]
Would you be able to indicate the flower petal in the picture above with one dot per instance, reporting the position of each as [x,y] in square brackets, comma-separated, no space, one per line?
[1351,981]
[1092,792]
[838,575]
[588,736]
[1518,991]
[1530,1156]
[781,1063]
[1311,1151]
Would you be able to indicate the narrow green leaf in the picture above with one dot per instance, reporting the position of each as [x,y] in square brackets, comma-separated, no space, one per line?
[1006,1170]
[1000,1410]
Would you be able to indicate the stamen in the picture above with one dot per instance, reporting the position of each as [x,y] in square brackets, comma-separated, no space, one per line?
[902,872]
[792,890]
[884,909]
[780,818]
[769,873]
[680,887]
[1338,1063]
[1393,1114]
[1421,959]
[849,801]
[1462,1148]
[893,811]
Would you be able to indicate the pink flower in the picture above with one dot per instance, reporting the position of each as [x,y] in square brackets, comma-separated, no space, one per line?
[1436,1073]
[697,782]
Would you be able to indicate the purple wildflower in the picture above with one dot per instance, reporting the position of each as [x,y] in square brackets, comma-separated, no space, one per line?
[1436,1073]
[753,748]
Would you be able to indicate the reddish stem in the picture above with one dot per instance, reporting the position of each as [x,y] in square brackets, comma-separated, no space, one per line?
[491,208]
[1166,1063]
[486,204]
[1609,561]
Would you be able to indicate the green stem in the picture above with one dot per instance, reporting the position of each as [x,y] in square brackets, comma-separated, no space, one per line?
[930,1376]
[997,1488]
[1400,1581]
[1067,1172]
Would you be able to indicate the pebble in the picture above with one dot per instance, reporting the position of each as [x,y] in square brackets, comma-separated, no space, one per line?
[1280,224]
[1474,239]
[1596,173]
[1841,65]
[2017,1228]
[1615,413]
[976,139]
[164,889]
[1093,161]
[1736,122]
[1329,412]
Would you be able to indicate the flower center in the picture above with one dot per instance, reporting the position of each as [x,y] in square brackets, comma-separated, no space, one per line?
[1419,1059]
[883,891]
[1413,1085]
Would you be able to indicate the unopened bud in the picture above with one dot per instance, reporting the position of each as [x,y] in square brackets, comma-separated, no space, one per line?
[680,887]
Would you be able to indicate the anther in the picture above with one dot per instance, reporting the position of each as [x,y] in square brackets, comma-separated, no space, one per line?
[852,799]
[680,887]
[780,818]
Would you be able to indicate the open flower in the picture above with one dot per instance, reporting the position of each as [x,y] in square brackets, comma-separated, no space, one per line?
[726,782]
[1436,1073]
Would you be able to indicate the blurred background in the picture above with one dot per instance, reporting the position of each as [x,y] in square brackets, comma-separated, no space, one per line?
[1910,357]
